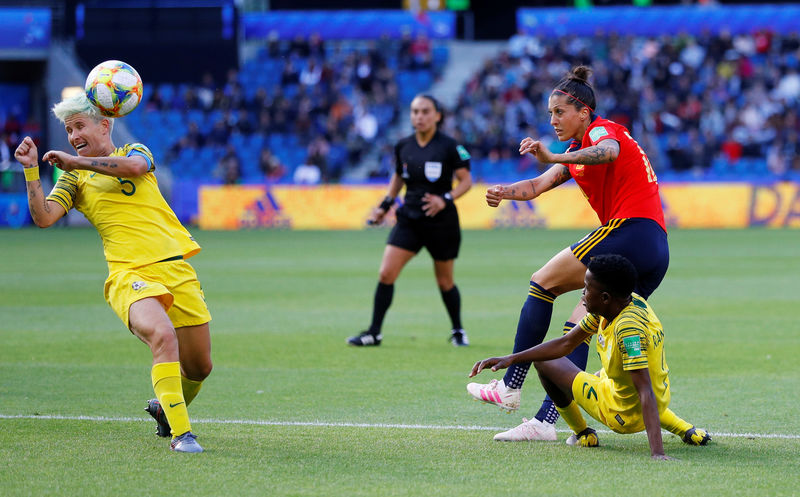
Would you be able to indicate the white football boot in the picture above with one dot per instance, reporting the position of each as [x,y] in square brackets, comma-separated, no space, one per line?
[495,392]
[532,429]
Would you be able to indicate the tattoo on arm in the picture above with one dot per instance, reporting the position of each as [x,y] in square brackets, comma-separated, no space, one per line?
[533,188]
[602,153]
[95,163]
[562,177]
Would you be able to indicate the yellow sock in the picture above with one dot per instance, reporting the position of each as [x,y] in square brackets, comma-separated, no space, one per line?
[572,415]
[190,389]
[672,423]
[167,385]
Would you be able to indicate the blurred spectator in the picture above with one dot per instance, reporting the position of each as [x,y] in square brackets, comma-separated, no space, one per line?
[270,165]
[219,133]
[318,151]
[307,173]
[229,167]
[421,51]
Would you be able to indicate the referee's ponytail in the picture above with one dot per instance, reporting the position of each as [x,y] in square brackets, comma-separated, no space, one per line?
[436,106]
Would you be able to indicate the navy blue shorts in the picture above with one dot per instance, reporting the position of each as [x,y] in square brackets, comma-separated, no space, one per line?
[642,241]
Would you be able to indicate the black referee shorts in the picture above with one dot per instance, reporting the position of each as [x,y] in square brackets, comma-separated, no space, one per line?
[441,235]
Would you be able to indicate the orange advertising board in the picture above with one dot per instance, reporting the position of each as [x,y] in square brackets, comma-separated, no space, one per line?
[686,205]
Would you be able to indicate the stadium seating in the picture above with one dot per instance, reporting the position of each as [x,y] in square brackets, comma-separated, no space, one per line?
[704,108]
[348,80]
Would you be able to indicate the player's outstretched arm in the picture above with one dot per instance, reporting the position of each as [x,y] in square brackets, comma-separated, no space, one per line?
[528,189]
[119,167]
[652,424]
[44,212]
[552,349]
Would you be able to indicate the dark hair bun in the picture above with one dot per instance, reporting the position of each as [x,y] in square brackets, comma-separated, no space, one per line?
[581,73]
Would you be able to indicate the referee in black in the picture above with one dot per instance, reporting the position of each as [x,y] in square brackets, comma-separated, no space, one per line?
[426,163]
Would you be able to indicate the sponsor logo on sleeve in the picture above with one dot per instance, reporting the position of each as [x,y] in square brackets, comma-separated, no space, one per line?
[598,133]
[462,152]
[633,346]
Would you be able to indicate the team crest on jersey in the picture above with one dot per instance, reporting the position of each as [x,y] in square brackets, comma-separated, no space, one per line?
[138,285]
[597,132]
[601,340]
[433,170]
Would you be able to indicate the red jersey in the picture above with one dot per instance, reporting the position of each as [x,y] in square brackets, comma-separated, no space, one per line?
[624,188]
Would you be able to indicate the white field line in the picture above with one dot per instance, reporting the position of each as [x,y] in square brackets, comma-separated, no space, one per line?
[325,424]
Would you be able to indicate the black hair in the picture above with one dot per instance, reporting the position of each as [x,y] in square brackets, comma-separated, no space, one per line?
[616,273]
[436,106]
[575,85]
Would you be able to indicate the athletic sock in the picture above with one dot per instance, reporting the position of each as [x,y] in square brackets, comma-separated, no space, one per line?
[383,299]
[573,417]
[579,357]
[534,319]
[672,423]
[166,378]
[452,301]
[190,389]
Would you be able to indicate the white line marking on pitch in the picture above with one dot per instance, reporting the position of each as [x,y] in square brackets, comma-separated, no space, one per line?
[323,424]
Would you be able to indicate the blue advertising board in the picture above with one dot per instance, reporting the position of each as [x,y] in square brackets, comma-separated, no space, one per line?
[655,21]
[337,25]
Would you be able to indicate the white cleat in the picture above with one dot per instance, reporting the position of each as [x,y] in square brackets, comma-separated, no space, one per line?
[572,440]
[495,392]
[529,430]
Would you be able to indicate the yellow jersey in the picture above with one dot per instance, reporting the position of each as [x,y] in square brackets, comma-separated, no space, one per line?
[633,340]
[135,223]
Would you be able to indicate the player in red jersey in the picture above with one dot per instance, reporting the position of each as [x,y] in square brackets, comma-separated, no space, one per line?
[616,177]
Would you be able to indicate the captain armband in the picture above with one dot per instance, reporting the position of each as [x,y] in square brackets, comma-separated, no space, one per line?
[31,173]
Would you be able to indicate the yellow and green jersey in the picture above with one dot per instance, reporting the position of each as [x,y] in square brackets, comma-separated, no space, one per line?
[633,340]
[135,223]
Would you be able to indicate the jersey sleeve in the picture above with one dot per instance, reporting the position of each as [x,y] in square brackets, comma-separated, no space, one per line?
[65,190]
[139,149]
[602,132]
[461,157]
[590,324]
[631,340]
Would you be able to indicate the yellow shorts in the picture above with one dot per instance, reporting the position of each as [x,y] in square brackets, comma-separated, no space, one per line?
[173,283]
[594,396]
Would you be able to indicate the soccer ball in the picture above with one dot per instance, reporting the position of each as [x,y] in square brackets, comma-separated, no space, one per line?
[114,87]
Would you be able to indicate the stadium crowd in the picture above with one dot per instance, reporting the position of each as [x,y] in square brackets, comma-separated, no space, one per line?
[710,106]
[298,111]
[13,126]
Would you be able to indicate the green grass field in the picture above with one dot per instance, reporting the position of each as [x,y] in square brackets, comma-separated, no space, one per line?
[291,410]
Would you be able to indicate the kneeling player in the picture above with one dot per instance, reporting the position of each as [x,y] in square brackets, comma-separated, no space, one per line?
[631,392]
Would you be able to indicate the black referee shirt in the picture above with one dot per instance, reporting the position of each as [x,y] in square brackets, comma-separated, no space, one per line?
[427,169]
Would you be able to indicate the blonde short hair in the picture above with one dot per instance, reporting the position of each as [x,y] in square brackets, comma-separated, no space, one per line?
[79,104]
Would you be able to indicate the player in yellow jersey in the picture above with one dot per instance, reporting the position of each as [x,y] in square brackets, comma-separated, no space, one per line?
[150,286]
[631,392]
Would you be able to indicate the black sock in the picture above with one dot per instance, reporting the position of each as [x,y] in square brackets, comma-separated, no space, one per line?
[452,301]
[383,299]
